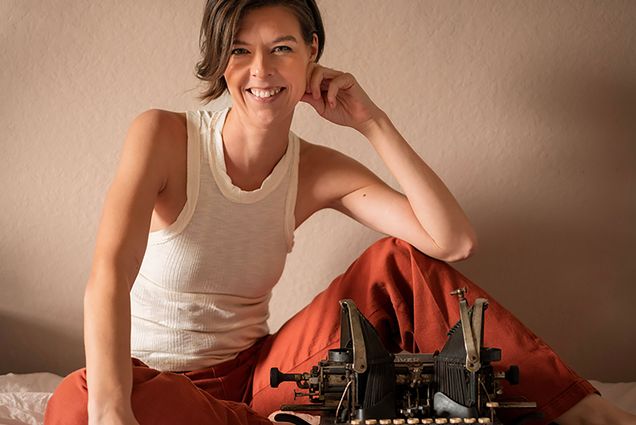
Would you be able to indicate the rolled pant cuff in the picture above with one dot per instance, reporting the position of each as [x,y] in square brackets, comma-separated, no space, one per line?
[567,399]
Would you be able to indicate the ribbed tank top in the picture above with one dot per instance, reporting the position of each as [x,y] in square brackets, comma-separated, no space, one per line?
[204,285]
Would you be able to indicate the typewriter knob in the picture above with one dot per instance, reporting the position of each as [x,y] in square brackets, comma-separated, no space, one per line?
[512,375]
[276,377]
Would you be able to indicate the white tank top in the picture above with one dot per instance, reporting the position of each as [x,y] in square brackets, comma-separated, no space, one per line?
[203,288]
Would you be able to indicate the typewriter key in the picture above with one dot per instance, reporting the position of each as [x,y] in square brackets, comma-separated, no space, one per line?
[385,421]
[355,421]
[470,420]
[370,421]
[441,421]
[483,420]
[399,421]
[456,420]
[428,421]
[412,421]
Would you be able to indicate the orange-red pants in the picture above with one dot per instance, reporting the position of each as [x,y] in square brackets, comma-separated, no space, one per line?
[403,293]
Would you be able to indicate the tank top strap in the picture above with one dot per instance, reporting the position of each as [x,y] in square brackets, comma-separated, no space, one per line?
[292,190]
[207,121]
[193,164]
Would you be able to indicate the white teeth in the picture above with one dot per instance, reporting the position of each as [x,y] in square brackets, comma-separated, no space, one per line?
[265,93]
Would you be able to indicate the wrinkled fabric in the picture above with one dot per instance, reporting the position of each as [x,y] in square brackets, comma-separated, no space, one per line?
[405,296]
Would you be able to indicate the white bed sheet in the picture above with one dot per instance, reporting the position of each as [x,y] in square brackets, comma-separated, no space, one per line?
[23,398]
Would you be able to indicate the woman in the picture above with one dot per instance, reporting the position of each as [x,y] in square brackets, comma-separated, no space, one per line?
[200,217]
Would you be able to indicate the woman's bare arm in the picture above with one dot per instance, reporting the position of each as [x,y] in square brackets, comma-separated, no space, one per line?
[330,179]
[120,247]
[427,215]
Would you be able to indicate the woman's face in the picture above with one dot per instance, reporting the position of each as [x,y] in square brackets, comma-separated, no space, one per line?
[267,72]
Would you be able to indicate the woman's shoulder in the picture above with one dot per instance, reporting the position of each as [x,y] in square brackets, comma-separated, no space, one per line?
[319,158]
[160,128]
[157,136]
[161,121]
[314,152]
[326,175]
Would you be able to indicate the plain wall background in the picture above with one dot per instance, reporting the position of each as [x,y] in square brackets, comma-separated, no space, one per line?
[526,109]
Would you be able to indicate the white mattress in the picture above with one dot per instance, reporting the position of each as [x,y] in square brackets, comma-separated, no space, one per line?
[23,398]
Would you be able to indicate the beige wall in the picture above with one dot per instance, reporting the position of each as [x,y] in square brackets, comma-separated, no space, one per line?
[526,109]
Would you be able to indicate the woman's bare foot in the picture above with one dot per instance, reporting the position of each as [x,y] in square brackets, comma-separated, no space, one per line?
[595,410]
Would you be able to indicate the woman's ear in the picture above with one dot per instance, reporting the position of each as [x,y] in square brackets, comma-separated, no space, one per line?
[314,47]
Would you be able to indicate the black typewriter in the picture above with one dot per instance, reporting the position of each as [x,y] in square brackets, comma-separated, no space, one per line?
[362,383]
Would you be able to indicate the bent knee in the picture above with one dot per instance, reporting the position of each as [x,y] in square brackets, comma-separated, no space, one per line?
[69,402]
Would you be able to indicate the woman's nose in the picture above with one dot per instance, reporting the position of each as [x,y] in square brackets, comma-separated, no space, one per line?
[261,65]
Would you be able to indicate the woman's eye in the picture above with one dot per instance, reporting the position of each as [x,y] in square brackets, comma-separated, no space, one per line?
[282,49]
[238,51]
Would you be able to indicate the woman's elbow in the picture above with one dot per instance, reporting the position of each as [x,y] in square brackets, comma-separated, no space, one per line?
[463,250]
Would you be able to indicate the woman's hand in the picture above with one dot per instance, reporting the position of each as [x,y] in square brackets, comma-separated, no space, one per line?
[338,97]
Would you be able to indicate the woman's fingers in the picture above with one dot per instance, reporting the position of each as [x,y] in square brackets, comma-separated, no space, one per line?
[338,97]
[342,81]
[317,76]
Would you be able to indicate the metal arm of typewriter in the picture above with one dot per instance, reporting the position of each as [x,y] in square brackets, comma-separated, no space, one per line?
[471,329]
[357,338]
[472,333]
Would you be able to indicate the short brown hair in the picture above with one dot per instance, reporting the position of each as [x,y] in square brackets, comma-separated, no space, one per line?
[221,19]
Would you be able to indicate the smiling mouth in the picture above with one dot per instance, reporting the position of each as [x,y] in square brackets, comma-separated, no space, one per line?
[265,93]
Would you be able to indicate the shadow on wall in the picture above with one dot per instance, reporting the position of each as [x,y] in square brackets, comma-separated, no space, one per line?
[28,346]
[562,258]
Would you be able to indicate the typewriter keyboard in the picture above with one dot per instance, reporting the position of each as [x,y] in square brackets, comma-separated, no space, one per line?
[421,421]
